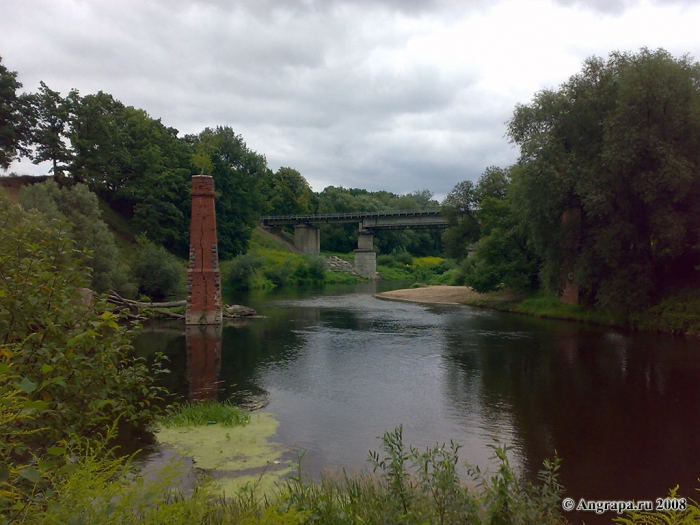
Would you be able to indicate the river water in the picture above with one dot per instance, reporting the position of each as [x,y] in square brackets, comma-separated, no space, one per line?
[340,367]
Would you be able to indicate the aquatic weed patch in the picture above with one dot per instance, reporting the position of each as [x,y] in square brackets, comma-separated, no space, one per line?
[233,457]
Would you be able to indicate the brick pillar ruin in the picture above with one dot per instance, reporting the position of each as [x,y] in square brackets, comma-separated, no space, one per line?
[203,278]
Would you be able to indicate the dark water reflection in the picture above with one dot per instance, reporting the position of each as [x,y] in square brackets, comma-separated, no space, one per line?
[340,368]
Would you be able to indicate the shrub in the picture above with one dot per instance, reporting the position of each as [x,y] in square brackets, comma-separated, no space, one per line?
[279,274]
[90,233]
[385,260]
[317,268]
[156,271]
[243,269]
[402,256]
[65,361]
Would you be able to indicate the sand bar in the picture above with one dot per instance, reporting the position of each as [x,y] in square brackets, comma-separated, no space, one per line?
[440,294]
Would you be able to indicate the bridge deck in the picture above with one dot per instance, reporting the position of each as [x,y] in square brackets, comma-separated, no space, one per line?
[280,220]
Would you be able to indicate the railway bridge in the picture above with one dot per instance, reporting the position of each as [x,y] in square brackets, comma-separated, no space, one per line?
[307,236]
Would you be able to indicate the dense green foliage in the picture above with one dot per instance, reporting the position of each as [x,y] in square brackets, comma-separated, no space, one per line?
[342,238]
[157,272]
[14,117]
[606,193]
[50,121]
[79,206]
[616,149]
[492,229]
[66,371]
[288,193]
[264,268]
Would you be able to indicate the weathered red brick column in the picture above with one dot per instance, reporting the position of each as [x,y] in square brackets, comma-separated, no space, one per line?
[203,278]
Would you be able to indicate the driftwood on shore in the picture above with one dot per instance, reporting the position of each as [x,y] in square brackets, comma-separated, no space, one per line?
[134,309]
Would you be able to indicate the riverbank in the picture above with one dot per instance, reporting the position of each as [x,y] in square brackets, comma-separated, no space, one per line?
[504,301]
[678,314]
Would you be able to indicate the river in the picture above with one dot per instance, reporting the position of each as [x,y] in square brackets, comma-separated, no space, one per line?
[339,367]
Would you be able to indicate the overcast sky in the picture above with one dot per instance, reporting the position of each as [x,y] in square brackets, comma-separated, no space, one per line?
[401,95]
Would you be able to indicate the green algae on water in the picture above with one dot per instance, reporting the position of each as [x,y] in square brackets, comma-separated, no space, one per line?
[235,456]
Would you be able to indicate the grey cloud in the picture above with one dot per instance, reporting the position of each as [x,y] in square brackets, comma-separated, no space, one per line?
[310,84]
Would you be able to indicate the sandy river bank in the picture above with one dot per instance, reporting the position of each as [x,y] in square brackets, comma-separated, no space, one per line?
[434,294]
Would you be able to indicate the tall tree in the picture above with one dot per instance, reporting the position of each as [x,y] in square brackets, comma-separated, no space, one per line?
[461,206]
[13,117]
[238,174]
[98,139]
[610,178]
[50,130]
[287,193]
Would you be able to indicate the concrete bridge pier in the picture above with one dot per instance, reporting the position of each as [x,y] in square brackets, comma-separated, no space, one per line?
[307,239]
[365,256]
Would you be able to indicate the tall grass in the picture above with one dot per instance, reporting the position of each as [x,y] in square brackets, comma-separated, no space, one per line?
[406,486]
[205,413]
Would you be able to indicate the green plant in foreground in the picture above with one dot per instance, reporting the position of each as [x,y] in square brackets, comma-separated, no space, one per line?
[416,487]
[409,487]
[507,499]
[205,413]
[689,516]
[68,375]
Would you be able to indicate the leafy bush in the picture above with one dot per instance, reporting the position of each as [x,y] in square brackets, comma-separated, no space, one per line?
[65,362]
[242,270]
[689,515]
[402,256]
[280,274]
[157,272]
[317,268]
[90,233]
[678,314]
[385,260]
[265,268]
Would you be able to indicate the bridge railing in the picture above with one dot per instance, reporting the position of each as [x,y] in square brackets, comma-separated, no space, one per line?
[347,216]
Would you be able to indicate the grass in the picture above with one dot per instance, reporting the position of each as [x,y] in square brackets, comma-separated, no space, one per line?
[205,413]
[677,314]
[548,305]
[406,485]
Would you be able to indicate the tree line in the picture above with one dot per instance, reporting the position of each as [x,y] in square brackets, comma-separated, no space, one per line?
[605,194]
[143,169]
